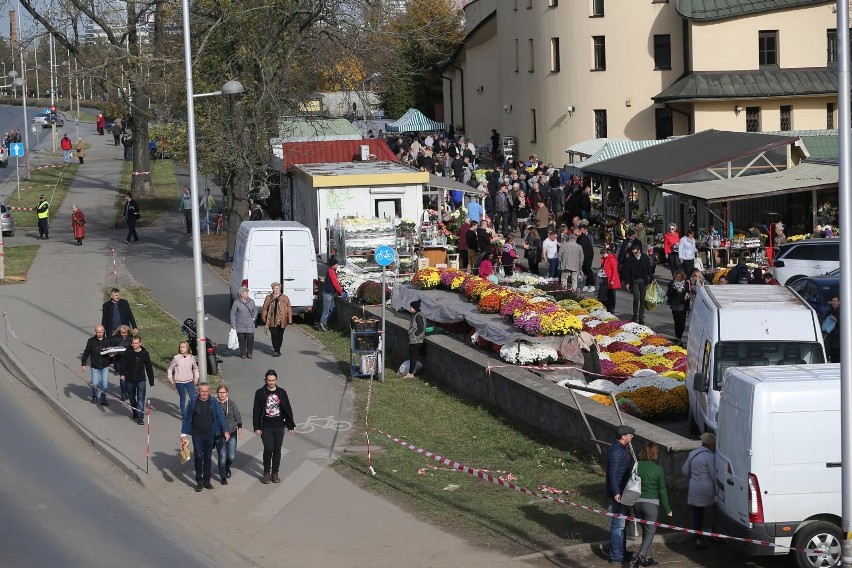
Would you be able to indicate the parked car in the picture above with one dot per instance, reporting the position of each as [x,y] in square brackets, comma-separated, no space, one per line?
[6,222]
[43,118]
[811,257]
[817,290]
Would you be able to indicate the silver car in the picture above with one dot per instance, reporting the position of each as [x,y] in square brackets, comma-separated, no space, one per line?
[6,222]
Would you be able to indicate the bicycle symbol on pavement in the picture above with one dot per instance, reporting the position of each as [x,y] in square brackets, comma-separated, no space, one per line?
[323,422]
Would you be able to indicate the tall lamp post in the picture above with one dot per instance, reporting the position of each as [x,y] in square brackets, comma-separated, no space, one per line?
[22,83]
[229,88]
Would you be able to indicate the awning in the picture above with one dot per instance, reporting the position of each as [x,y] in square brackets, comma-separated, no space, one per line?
[804,177]
[447,183]
[414,121]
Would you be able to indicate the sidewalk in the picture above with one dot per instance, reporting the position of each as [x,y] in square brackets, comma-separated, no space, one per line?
[315,517]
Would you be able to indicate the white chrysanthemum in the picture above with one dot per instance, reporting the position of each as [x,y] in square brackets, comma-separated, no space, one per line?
[637,329]
[521,353]
[662,383]
[625,337]
[602,385]
[653,350]
[604,356]
[604,340]
[592,323]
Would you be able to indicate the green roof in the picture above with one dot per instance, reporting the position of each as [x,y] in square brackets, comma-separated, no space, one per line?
[822,146]
[722,9]
[762,83]
[302,129]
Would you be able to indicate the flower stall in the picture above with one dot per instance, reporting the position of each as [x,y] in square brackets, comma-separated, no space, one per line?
[356,238]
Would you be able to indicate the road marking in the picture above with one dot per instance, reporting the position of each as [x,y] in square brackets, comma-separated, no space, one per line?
[289,489]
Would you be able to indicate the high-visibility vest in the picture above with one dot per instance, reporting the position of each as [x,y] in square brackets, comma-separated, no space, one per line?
[43,210]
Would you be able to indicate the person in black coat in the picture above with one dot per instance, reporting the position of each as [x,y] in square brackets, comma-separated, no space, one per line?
[637,275]
[116,312]
[832,339]
[136,365]
[271,416]
[472,241]
[100,363]
[739,274]
[678,296]
[585,241]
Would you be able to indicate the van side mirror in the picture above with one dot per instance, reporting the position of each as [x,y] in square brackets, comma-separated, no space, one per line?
[699,382]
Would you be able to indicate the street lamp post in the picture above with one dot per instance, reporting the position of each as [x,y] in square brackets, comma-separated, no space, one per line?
[22,83]
[229,88]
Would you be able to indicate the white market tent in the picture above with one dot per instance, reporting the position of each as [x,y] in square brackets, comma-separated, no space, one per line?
[414,121]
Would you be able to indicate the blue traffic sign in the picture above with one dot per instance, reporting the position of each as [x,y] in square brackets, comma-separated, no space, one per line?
[385,255]
[16,149]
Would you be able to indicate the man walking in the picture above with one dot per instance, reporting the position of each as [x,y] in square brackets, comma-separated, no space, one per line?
[116,132]
[570,261]
[116,312]
[618,466]
[551,252]
[43,214]
[637,275]
[204,420]
[131,215]
[136,364]
[186,207]
[100,363]
[585,241]
[271,416]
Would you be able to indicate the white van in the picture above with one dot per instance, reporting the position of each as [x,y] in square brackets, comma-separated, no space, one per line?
[778,460]
[276,251]
[744,325]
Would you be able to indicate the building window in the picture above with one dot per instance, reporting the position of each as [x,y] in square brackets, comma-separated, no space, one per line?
[517,55]
[663,51]
[600,123]
[752,119]
[529,4]
[552,3]
[555,63]
[534,136]
[665,122]
[831,45]
[786,118]
[599,48]
[531,66]
[767,47]
[829,115]
[597,8]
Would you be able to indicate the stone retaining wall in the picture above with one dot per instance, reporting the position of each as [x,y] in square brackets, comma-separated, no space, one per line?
[522,394]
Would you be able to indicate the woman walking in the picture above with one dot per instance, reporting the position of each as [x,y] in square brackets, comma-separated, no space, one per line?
[227,449]
[276,314]
[78,220]
[686,251]
[272,415]
[183,374]
[532,246]
[670,243]
[700,468]
[609,264]
[81,150]
[678,296]
[121,338]
[654,496]
[416,334]
[243,317]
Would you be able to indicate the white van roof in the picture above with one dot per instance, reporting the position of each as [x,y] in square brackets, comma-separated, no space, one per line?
[789,388]
[789,373]
[271,225]
[749,297]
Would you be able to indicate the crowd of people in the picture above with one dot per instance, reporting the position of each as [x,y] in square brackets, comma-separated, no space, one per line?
[210,423]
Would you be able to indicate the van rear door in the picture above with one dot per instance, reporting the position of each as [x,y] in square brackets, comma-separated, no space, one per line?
[263,262]
[734,449]
[297,280]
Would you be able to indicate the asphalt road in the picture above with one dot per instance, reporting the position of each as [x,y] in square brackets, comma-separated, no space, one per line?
[65,505]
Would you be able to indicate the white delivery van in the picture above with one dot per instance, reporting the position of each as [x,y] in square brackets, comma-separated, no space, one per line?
[741,325]
[276,251]
[778,460]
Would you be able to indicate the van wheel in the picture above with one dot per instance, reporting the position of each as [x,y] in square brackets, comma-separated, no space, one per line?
[693,427]
[793,279]
[820,545]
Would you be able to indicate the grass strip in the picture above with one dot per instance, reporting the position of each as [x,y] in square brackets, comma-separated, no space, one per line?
[163,196]
[473,434]
[18,261]
[53,182]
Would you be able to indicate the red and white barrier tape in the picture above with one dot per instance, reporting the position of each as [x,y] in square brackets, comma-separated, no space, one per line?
[13,208]
[141,173]
[482,474]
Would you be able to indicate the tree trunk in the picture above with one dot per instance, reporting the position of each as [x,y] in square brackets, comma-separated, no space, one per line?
[140,183]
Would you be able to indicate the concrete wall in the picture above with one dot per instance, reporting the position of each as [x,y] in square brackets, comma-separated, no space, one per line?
[521,394]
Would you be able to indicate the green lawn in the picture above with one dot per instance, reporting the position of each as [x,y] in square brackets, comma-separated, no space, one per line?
[163,198]
[18,261]
[53,182]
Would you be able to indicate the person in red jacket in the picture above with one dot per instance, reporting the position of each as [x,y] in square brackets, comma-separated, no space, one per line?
[609,264]
[101,124]
[67,147]
[670,240]
[331,288]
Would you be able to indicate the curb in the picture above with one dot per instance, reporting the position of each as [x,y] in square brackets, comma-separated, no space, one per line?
[591,548]
[14,364]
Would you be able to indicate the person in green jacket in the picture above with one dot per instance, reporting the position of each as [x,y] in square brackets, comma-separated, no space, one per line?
[654,496]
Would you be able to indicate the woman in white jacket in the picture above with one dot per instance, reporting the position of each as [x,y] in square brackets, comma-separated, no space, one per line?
[686,250]
[700,467]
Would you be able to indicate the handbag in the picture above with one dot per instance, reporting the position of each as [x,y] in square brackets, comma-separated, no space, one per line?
[633,490]
[828,325]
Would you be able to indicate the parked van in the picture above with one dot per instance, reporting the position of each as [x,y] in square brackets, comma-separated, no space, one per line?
[778,460]
[276,251]
[743,326]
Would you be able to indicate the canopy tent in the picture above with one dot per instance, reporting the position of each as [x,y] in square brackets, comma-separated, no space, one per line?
[414,121]
[448,183]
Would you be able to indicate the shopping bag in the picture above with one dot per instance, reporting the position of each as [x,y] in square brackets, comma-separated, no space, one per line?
[654,295]
[184,451]
[633,490]
[233,342]
[828,325]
